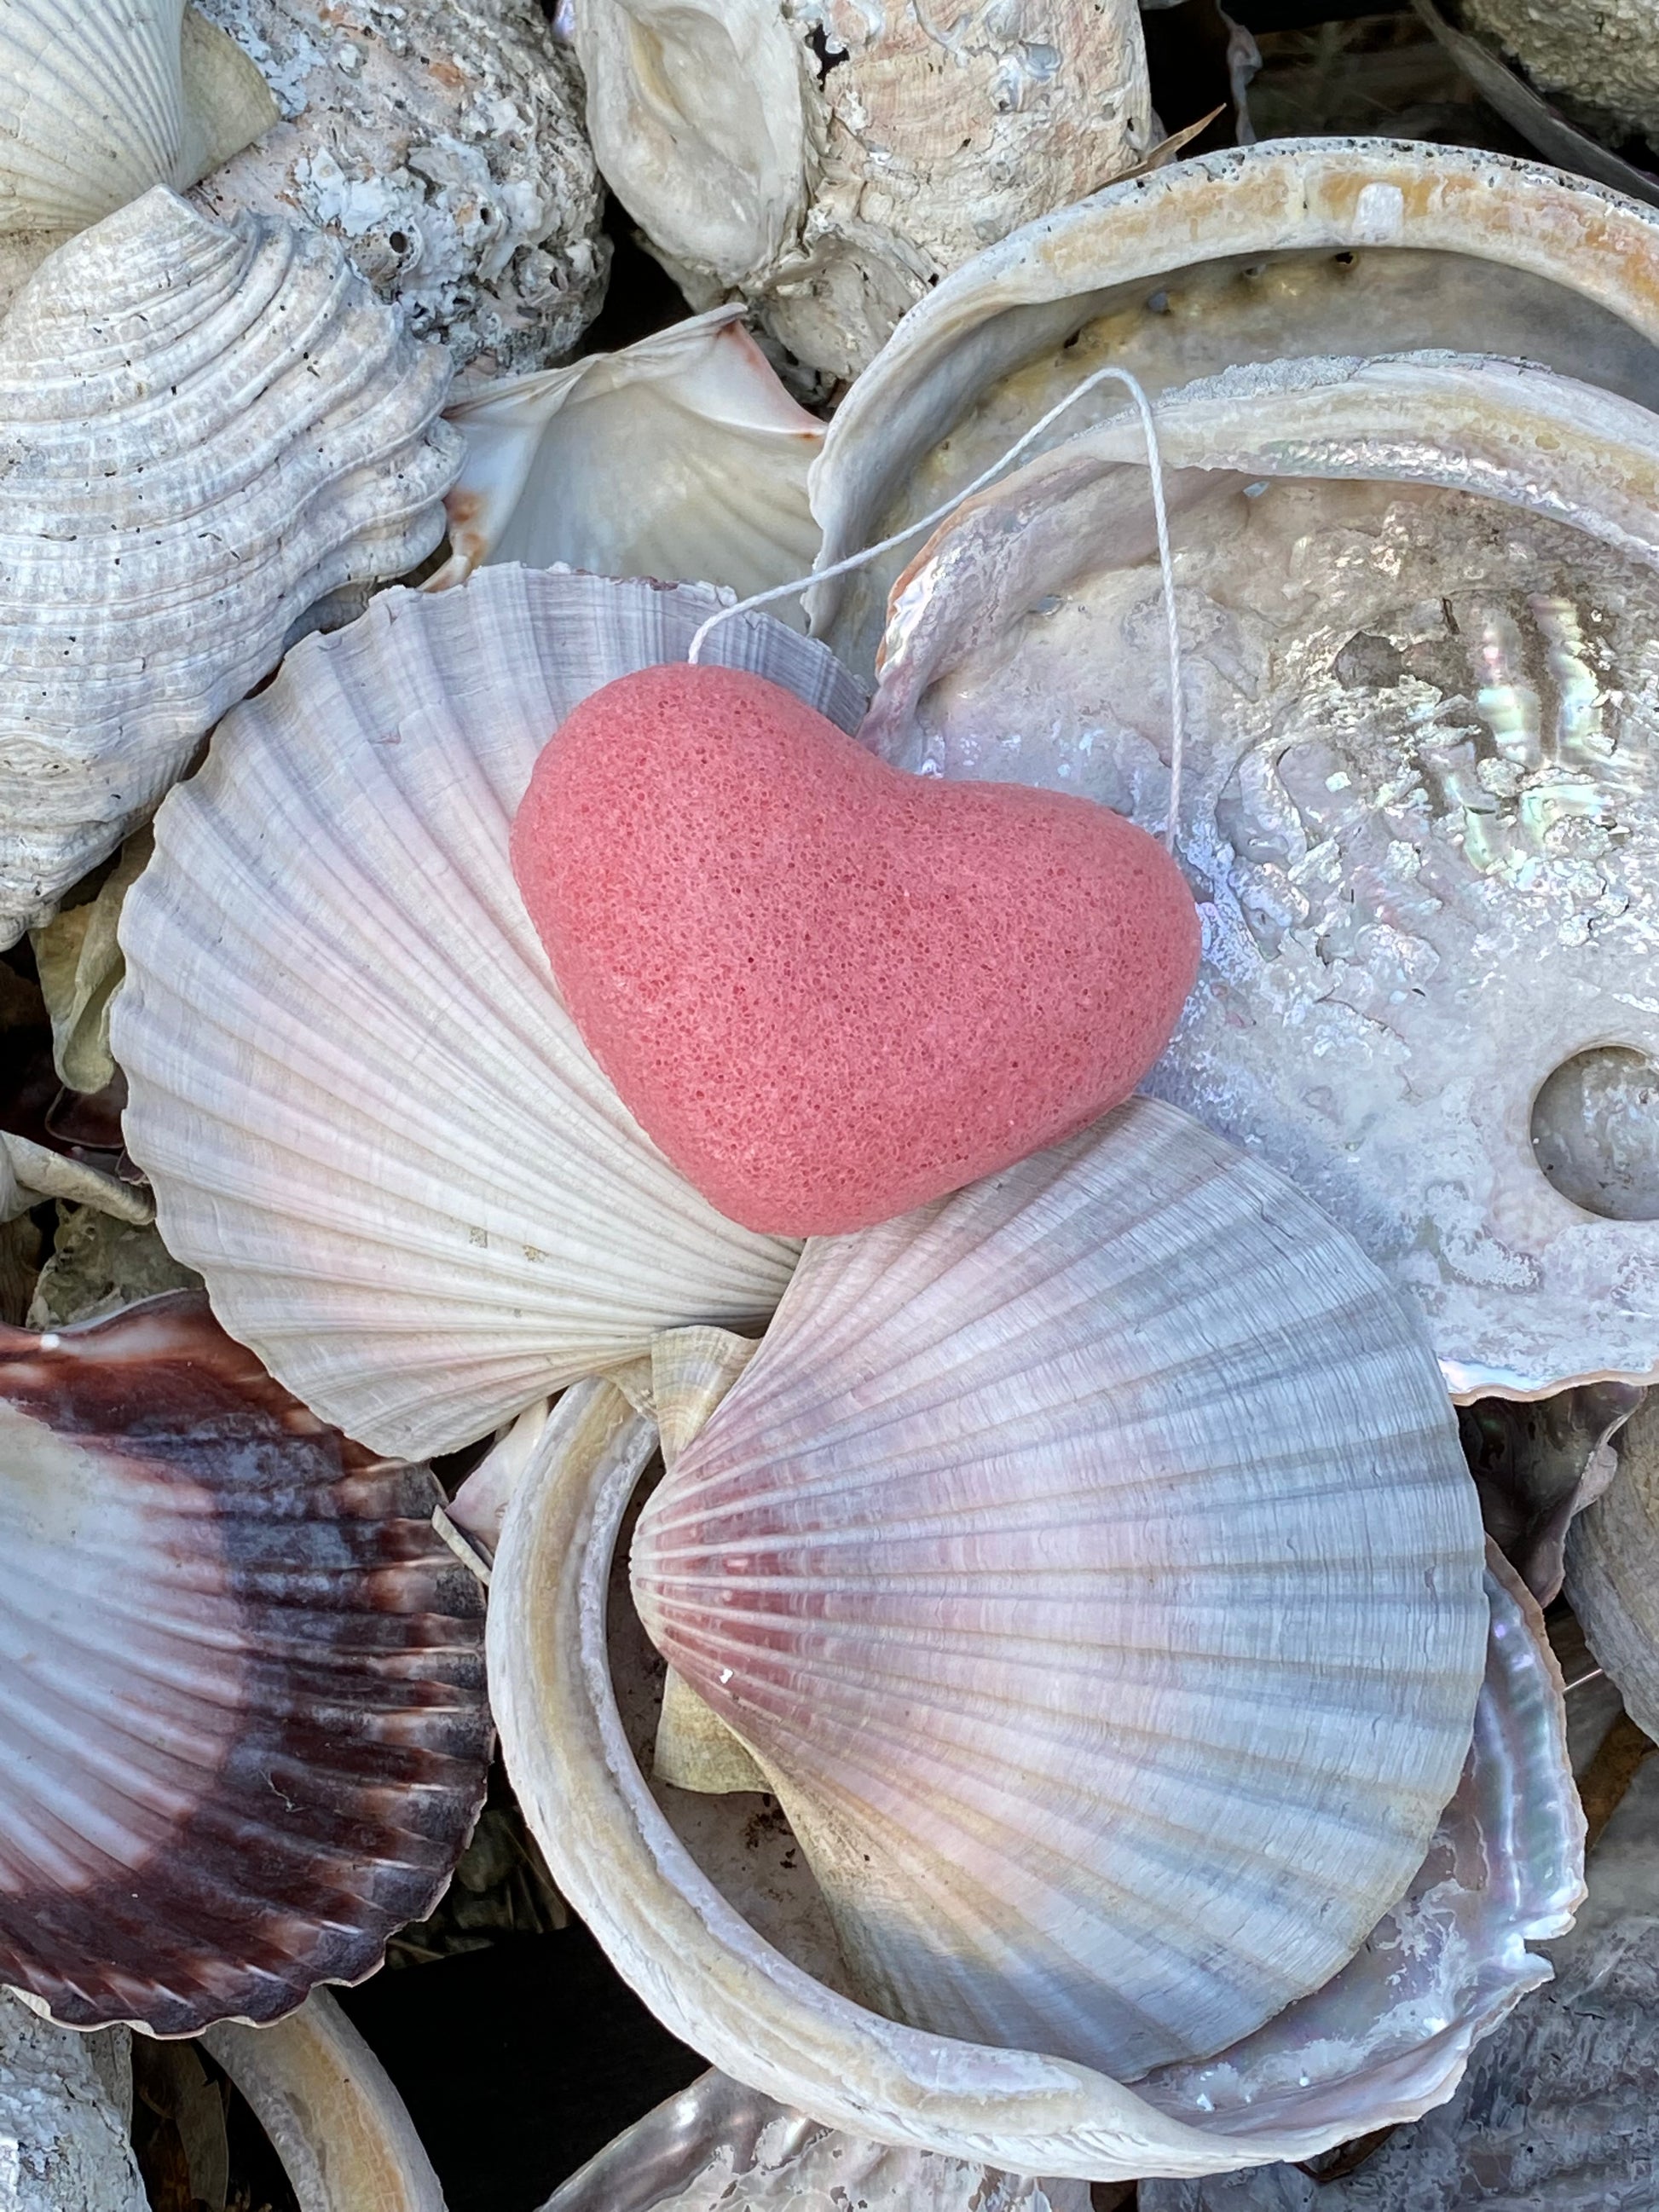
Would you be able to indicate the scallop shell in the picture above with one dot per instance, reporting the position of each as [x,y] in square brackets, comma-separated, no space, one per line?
[1418,607]
[1600,57]
[828,1562]
[680,457]
[440,142]
[1613,1569]
[205,429]
[369,1122]
[1385,2041]
[831,162]
[328,2107]
[67,2142]
[720,2144]
[101,99]
[245,1734]
[1298,248]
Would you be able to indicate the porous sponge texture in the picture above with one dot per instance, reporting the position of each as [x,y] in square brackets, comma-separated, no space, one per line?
[828,990]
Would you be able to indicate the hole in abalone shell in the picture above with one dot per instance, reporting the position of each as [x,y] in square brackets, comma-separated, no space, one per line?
[1595,1133]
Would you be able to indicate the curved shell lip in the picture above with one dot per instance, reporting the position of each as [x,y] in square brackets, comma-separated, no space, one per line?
[710,1976]
[1282,195]
[289,1813]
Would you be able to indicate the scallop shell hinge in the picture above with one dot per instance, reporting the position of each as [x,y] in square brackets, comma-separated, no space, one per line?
[204,429]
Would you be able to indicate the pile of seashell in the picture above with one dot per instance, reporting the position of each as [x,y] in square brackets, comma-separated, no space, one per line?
[1174,1772]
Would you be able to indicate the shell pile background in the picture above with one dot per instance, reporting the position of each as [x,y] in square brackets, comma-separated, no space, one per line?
[1095,1692]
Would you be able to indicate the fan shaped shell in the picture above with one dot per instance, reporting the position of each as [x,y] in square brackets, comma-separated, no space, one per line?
[245,1732]
[205,429]
[1297,247]
[101,99]
[1119,1486]
[370,1124]
[441,144]
[1420,781]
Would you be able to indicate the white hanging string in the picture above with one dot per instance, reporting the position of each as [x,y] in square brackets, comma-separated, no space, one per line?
[1160,515]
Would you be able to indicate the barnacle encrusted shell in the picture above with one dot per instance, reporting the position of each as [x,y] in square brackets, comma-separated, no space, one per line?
[244,1730]
[682,457]
[831,160]
[64,2144]
[1382,2043]
[720,2144]
[101,99]
[1296,247]
[1613,1569]
[331,2111]
[369,1122]
[1600,57]
[441,142]
[1071,1465]
[204,429]
[1418,607]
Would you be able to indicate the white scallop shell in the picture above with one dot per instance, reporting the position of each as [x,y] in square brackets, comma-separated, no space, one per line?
[1295,247]
[101,99]
[1384,2042]
[205,429]
[369,1122]
[1419,610]
[441,143]
[719,2147]
[330,2111]
[64,2144]
[682,457]
[831,162]
[1023,1558]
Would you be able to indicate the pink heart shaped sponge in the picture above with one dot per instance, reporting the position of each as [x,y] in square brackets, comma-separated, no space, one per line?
[829,990]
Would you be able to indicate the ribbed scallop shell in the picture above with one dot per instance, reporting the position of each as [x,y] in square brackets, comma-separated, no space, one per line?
[369,1122]
[101,99]
[203,430]
[243,1732]
[1090,1562]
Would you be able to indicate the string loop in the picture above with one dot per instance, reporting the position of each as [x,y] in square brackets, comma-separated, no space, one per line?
[1160,516]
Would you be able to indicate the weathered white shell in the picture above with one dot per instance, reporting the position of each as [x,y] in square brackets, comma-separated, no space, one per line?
[1421,809]
[101,99]
[203,430]
[1384,2042]
[1613,1569]
[719,2145]
[1022,1557]
[682,457]
[369,1122]
[327,2104]
[440,142]
[831,161]
[1600,57]
[1296,247]
[64,2145]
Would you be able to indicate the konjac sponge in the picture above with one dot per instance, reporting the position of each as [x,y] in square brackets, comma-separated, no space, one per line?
[829,990]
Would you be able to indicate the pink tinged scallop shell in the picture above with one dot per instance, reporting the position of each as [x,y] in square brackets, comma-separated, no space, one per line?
[243,1734]
[1090,1565]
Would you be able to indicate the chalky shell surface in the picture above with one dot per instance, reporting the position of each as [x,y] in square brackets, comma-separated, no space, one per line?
[245,1731]
[1600,57]
[1418,601]
[203,430]
[67,2142]
[369,1122]
[441,144]
[833,191]
[1296,247]
[1040,1454]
